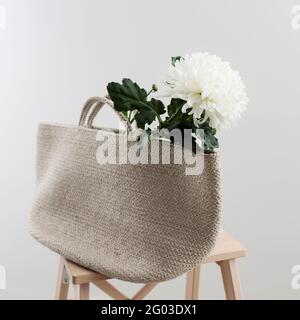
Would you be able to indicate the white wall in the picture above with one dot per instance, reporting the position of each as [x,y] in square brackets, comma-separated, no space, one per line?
[56,53]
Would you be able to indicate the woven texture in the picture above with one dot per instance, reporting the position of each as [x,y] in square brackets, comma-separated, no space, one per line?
[138,223]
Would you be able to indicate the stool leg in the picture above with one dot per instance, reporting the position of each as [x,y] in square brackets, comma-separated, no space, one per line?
[231,280]
[82,291]
[144,291]
[62,287]
[192,284]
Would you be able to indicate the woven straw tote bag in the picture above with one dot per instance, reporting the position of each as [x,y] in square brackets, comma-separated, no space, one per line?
[139,223]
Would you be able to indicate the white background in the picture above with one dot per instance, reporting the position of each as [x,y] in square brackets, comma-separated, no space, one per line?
[56,53]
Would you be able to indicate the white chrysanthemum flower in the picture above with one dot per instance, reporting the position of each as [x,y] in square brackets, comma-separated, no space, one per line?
[208,83]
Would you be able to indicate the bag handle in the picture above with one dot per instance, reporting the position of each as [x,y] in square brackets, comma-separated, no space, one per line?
[86,109]
[93,106]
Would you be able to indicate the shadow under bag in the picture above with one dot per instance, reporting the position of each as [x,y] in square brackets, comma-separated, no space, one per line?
[139,223]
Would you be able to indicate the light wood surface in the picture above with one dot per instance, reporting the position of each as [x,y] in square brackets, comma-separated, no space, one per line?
[227,247]
[62,286]
[81,275]
[145,291]
[82,291]
[225,253]
[110,290]
[192,284]
[231,280]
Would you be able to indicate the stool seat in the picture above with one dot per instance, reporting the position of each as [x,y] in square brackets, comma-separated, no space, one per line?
[226,251]
[80,275]
[226,248]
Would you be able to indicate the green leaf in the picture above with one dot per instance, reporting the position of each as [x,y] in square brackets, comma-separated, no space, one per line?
[174,59]
[144,117]
[128,96]
[210,140]
[175,113]
[147,116]
[175,106]
[181,125]
[158,106]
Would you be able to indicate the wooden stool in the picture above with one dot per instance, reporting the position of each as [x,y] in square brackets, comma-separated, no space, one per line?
[225,253]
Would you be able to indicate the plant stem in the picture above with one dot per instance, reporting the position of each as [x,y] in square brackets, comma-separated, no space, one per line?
[126,116]
[148,94]
[129,117]
[159,119]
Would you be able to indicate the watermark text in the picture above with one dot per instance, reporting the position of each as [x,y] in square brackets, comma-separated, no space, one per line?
[296,277]
[2,278]
[158,147]
[3,17]
[295,22]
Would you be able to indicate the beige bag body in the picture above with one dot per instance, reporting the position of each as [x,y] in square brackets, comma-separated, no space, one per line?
[139,223]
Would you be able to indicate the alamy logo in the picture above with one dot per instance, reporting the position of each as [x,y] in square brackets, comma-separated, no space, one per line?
[2,278]
[2,17]
[296,277]
[296,17]
[145,149]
